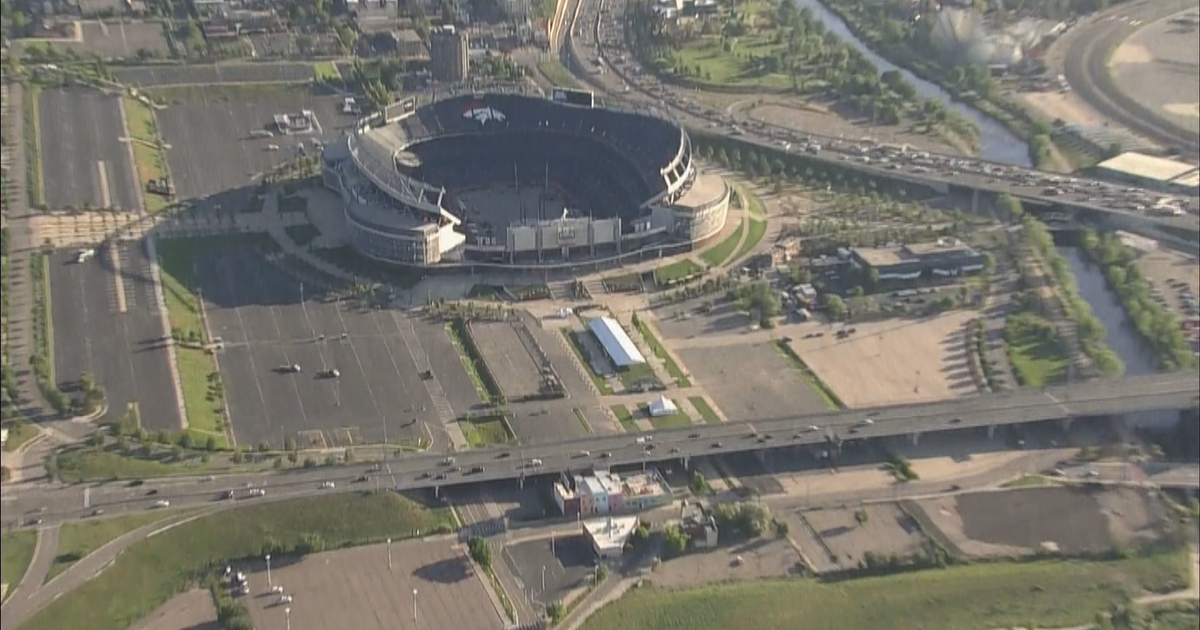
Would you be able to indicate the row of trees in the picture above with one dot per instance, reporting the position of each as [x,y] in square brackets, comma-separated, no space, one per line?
[1157,325]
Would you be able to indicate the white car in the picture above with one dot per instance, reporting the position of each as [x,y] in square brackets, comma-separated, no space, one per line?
[161,504]
[328,485]
[258,492]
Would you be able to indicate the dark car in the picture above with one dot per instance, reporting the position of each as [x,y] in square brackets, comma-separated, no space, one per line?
[694,435]
[716,445]
[440,476]
[151,492]
[360,479]
[605,455]
[504,455]
[475,470]
[425,475]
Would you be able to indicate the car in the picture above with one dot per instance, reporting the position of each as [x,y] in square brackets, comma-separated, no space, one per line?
[693,435]
[1093,473]
[98,512]
[813,428]
[327,485]
[475,470]
[955,420]
[448,461]
[605,455]
[151,492]
[716,445]
[291,369]
[504,455]
[360,479]
[161,504]
[375,468]
[258,492]
[227,495]
[648,447]
[675,449]
[209,478]
[440,476]
[868,422]
[329,373]
[585,453]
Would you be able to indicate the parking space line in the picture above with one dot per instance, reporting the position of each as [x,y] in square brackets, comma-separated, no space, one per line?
[105,196]
[114,253]
[379,413]
[250,355]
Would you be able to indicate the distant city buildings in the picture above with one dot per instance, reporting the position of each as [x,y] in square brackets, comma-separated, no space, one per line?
[449,54]
[606,492]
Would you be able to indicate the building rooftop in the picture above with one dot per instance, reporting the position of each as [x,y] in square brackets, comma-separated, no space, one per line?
[609,481]
[616,342]
[592,485]
[1189,180]
[886,256]
[1147,166]
[610,533]
[647,484]
[940,246]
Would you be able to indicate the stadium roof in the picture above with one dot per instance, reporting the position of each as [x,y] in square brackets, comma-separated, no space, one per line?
[616,343]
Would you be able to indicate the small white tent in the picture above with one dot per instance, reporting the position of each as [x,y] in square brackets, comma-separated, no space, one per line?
[663,407]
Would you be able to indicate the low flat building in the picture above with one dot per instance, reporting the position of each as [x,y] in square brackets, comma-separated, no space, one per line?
[699,525]
[1149,171]
[605,492]
[609,535]
[944,258]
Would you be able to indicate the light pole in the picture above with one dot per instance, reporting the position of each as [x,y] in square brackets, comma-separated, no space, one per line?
[389,554]
[414,608]
[543,579]
[269,583]
[288,614]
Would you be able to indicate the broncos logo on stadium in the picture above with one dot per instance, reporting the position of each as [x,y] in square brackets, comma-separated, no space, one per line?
[483,114]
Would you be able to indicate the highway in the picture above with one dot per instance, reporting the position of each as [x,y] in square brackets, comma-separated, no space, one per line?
[597,21]
[1097,397]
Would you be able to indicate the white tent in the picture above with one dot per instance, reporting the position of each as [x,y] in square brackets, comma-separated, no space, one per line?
[663,407]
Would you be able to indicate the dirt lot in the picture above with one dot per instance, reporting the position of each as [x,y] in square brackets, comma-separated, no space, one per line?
[353,588]
[1015,522]
[775,391]
[887,531]
[1157,68]
[905,361]
[192,610]
[766,557]
[507,359]
[1066,107]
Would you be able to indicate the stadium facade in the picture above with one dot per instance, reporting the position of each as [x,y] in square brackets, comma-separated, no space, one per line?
[612,183]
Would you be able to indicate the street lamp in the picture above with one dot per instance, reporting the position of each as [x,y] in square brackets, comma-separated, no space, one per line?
[269,583]
[414,608]
[389,553]
[288,613]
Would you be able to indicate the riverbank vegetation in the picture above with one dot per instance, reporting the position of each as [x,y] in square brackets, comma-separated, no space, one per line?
[898,31]
[772,44]
[1158,326]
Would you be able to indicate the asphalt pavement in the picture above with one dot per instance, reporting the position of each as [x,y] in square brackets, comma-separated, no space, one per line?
[83,159]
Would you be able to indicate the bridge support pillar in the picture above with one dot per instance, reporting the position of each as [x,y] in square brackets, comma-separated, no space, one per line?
[1065,424]
[521,482]
[915,438]
[991,431]
[686,461]
[437,492]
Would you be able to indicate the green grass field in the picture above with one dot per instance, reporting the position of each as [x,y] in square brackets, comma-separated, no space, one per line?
[601,384]
[175,257]
[485,432]
[678,420]
[143,132]
[19,432]
[15,555]
[755,234]
[1051,594]
[558,75]
[625,418]
[676,271]
[1034,351]
[719,66]
[472,364]
[634,375]
[75,466]
[202,405]
[326,71]
[717,254]
[587,426]
[79,539]
[660,351]
[705,410]
[151,572]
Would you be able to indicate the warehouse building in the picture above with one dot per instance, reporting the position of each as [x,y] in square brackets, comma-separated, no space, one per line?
[1148,171]
[944,258]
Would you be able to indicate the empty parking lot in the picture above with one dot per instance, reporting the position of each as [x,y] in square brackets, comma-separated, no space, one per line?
[83,159]
[149,76]
[550,569]
[751,381]
[107,323]
[209,127]
[354,588]
[257,311]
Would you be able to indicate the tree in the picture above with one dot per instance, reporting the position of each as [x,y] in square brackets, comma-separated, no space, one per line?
[835,306]
[480,551]
[556,611]
[210,444]
[675,541]
[238,455]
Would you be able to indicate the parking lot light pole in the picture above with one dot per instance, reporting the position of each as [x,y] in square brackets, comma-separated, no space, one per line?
[269,583]
[389,554]
[414,608]
[288,614]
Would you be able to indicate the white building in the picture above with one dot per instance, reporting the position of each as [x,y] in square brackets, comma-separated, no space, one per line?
[616,342]
[663,406]
[609,535]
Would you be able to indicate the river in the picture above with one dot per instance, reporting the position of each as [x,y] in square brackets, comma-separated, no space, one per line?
[996,142]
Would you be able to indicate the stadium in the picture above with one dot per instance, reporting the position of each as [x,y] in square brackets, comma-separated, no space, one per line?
[510,179]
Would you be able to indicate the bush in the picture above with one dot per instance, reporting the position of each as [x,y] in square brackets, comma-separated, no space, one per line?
[480,551]
[675,541]
[556,611]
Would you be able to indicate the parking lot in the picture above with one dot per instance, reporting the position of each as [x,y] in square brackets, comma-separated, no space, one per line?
[257,311]
[209,130]
[82,155]
[885,531]
[159,76]
[353,588]
[121,350]
[123,39]
[568,563]
[751,381]
[507,359]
